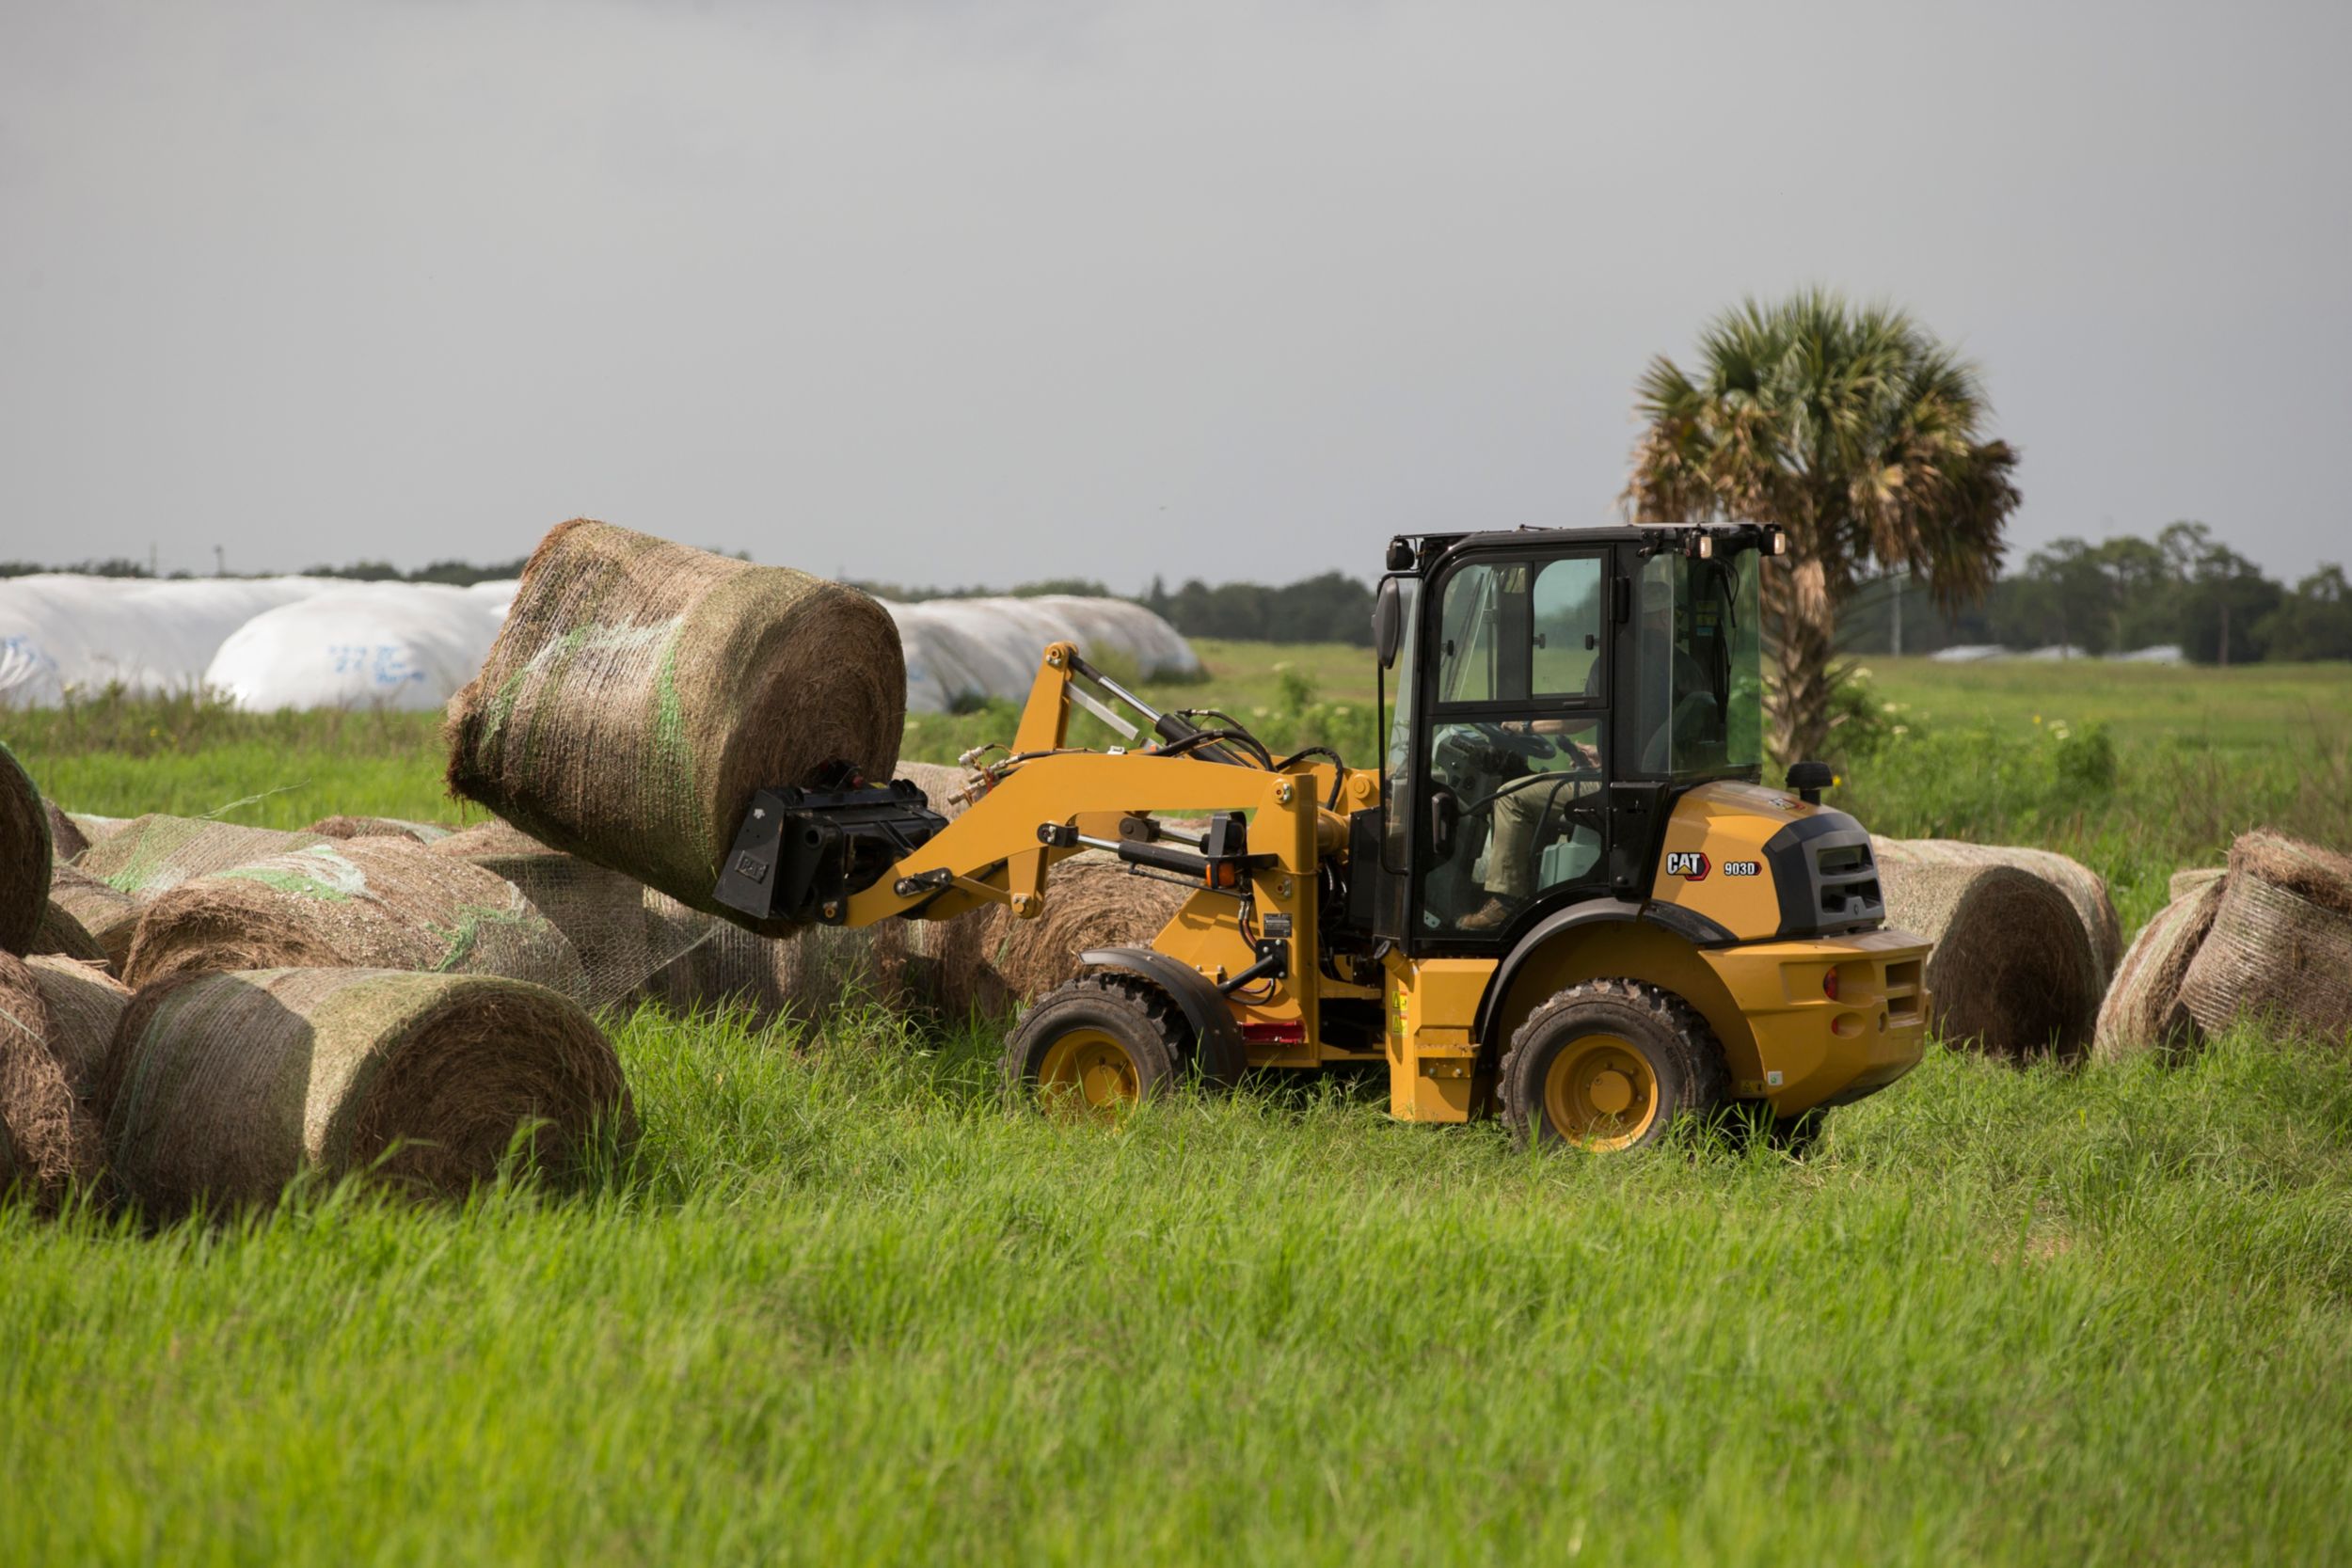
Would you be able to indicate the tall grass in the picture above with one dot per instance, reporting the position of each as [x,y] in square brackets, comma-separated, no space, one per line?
[845,1305]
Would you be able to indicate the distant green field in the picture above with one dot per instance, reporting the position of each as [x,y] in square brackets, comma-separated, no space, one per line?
[847,1305]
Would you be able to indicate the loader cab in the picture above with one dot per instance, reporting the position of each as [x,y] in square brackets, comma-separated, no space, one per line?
[1549,692]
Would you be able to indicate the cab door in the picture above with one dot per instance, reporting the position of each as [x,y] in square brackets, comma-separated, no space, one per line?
[1513,757]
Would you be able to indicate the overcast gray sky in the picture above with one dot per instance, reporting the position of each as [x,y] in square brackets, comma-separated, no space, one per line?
[995,292]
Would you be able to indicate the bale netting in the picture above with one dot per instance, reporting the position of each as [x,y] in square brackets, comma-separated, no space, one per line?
[2280,949]
[148,856]
[66,838]
[25,856]
[106,913]
[2195,880]
[2084,888]
[48,1140]
[601,912]
[2142,1010]
[368,903]
[222,1089]
[640,692]
[379,827]
[2012,973]
[2309,871]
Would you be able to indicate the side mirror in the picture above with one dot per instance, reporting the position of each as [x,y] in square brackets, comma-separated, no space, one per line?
[1388,622]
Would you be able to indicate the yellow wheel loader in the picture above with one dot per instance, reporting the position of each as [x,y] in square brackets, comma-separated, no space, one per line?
[1566,895]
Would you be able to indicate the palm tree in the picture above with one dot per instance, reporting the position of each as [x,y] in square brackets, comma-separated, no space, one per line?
[1861,437]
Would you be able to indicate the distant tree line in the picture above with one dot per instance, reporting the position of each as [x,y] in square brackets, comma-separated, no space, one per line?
[2182,588]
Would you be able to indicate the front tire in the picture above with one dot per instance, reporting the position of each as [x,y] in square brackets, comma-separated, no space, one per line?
[1610,1064]
[1099,1044]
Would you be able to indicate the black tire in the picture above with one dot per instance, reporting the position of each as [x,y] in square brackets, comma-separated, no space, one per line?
[1097,1041]
[1611,1064]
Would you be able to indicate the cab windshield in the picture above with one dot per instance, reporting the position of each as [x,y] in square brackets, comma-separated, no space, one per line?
[1699,678]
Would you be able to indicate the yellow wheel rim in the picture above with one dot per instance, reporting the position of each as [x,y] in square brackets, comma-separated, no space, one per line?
[1601,1093]
[1089,1068]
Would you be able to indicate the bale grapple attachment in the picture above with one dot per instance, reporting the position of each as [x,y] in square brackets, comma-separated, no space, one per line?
[801,853]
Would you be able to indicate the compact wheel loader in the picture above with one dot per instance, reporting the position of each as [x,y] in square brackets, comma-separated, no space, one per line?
[1566,895]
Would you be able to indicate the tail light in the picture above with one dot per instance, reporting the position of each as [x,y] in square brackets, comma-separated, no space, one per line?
[1829,985]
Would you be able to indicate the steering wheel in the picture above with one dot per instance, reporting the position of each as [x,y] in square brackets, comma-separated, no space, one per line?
[1525,743]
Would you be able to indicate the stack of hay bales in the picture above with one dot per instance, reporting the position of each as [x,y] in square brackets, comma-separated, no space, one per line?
[641,692]
[148,856]
[366,903]
[2014,972]
[222,1089]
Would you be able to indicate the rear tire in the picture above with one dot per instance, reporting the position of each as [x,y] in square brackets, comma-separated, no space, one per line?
[1099,1044]
[1610,1064]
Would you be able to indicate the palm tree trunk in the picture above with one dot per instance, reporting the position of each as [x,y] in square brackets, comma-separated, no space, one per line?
[1804,626]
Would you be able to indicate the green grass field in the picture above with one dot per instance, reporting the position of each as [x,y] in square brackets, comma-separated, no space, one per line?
[845,1305]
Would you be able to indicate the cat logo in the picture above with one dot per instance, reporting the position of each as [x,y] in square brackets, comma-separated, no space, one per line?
[1690,864]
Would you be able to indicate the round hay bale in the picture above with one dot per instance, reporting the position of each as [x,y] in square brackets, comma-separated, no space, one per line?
[86,1004]
[26,856]
[61,935]
[641,692]
[109,916]
[2084,888]
[223,1087]
[92,829]
[2012,973]
[66,838]
[378,827]
[1091,901]
[601,912]
[2195,880]
[2273,953]
[2317,874]
[2142,1008]
[48,1140]
[148,856]
[368,903]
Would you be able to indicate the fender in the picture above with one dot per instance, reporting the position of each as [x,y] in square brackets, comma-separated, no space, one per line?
[1691,926]
[1219,1050]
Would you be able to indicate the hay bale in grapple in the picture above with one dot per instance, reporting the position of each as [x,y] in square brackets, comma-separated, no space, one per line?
[66,838]
[2012,973]
[2281,941]
[2084,888]
[109,914]
[223,1087]
[25,856]
[601,912]
[379,827]
[641,692]
[366,903]
[2142,1008]
[48,1139]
